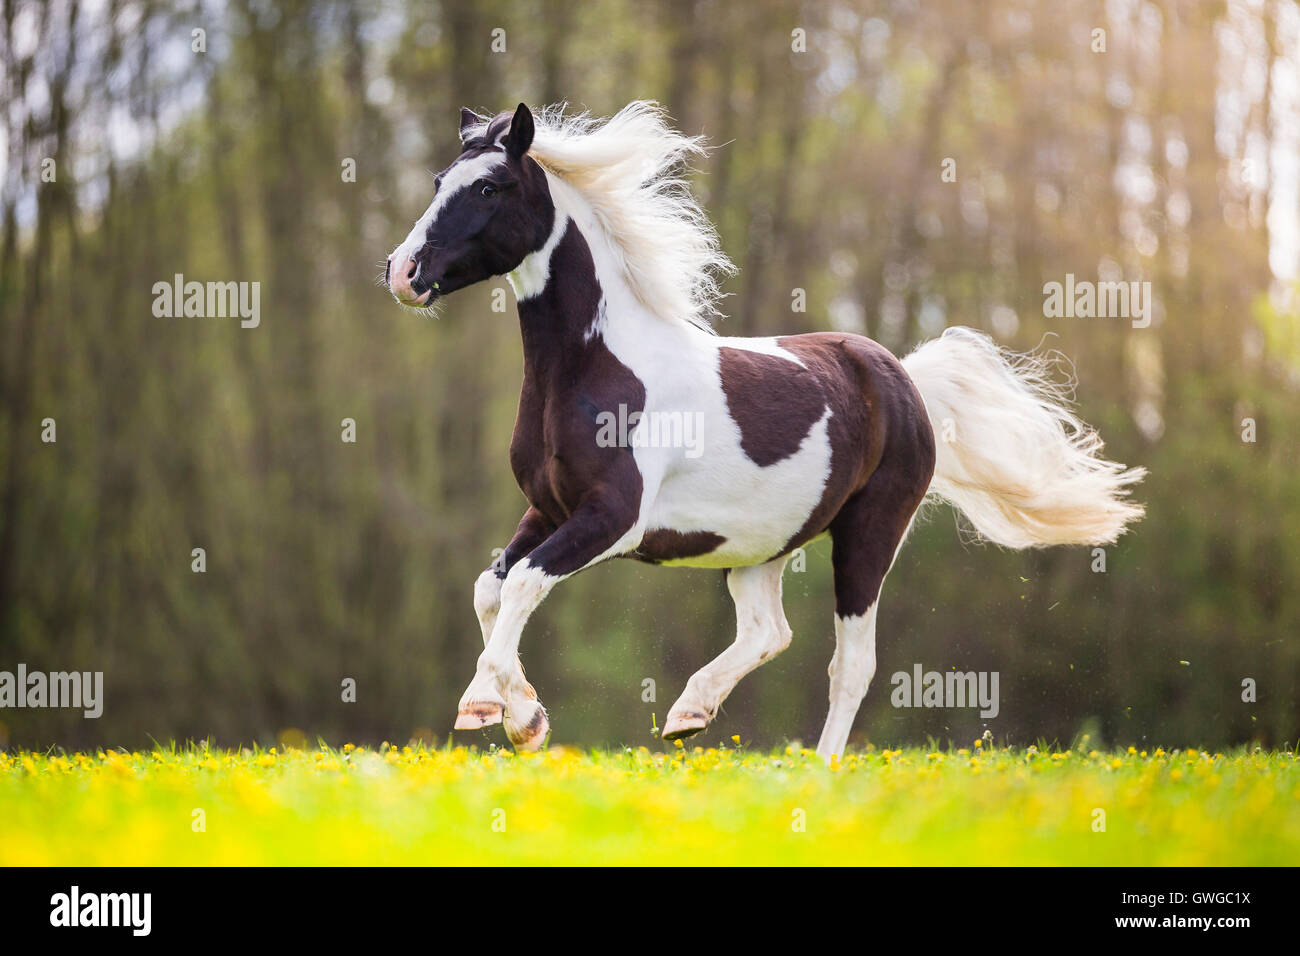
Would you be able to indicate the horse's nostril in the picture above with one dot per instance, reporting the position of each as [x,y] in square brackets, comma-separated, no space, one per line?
[388,269]
[410,273]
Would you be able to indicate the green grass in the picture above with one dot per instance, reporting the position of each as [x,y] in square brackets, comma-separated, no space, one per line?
[414,805]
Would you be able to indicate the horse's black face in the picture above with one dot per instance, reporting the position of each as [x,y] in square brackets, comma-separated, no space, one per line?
[491,209]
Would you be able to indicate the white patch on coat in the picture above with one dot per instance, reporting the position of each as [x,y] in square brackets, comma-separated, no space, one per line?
[532,275]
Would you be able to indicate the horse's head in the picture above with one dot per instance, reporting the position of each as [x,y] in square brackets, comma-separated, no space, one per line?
[490,209]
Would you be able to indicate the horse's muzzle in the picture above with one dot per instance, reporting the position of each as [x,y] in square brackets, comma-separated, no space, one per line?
[404,281]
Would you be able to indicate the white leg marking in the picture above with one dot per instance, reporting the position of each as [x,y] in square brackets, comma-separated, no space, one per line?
[499,675]
[525,718]
[487,601]
[851,670]
[762,632]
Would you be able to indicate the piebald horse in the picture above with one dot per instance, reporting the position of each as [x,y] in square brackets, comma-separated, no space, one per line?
[614,265]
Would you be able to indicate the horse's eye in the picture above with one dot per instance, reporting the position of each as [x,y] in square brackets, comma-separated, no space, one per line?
[488,190]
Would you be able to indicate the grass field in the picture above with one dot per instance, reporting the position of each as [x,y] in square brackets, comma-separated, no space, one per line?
[412,805]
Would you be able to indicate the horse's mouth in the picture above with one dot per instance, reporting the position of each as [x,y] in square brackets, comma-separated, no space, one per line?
[424,298]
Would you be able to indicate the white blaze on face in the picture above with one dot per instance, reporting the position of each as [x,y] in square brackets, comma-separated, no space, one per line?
[459,176]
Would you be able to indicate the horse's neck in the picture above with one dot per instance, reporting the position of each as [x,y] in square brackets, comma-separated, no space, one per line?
[572,289]
[559,298]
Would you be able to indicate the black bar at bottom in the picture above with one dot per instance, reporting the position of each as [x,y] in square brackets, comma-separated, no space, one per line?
[331,905]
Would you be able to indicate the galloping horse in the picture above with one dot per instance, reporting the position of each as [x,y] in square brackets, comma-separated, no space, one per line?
[614,266]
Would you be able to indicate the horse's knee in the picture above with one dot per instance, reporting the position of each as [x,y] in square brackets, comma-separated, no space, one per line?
[525,587]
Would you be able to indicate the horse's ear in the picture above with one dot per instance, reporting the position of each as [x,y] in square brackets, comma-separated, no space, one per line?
[520,136]
[468,120]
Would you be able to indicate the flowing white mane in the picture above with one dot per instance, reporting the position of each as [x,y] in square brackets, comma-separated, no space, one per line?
[632,170]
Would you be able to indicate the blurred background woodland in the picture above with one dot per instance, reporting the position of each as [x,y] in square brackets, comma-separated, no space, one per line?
[1146,141]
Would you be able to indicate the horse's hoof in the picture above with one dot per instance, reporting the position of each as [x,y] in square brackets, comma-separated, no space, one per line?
[478,714]
[680,726]
[532,734]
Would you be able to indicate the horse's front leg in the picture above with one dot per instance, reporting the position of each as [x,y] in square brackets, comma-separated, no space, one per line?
[600,528]
[525,718]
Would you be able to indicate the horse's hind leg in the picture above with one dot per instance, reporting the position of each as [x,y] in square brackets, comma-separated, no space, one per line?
[762,632]
[865,536]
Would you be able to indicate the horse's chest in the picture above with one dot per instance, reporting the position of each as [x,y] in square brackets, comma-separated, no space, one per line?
[558,452]
[543,460]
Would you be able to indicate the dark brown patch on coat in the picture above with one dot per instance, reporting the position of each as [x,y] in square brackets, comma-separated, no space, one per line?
[772,400]
[665,544]
[533,529]
[867,530]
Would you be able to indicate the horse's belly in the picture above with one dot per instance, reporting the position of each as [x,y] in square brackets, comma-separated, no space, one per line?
[756,511]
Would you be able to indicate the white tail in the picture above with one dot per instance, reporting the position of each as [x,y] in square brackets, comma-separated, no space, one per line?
[1012,456]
